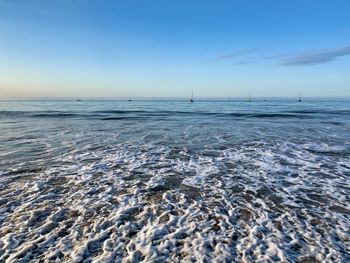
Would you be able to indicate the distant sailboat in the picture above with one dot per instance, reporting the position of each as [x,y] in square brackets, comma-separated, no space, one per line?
[299,97]
[192,100]
[77,99]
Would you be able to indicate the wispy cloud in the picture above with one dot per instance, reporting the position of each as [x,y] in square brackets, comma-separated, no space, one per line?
[236,54]
[245,62]
[315,57]
[308,58]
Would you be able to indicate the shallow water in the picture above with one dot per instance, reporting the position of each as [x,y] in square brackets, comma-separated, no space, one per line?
[173,181]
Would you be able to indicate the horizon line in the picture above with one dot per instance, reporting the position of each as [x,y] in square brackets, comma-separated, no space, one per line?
[179,98]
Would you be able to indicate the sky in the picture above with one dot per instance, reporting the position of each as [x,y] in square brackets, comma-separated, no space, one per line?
[62,49]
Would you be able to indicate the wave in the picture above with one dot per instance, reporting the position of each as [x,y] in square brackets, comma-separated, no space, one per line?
[147,202]
[321,111]
[130,114]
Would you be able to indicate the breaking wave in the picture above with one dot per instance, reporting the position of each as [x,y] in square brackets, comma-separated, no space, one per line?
[254,202]
[113,184]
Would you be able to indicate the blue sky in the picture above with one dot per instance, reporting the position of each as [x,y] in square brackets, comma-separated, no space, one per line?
[122,49]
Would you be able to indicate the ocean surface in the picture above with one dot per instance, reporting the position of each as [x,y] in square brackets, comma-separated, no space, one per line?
[174,181]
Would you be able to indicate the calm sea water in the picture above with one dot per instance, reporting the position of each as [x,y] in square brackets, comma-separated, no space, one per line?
[152,181]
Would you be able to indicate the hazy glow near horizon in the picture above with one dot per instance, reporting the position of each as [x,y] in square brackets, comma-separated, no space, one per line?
[119,49]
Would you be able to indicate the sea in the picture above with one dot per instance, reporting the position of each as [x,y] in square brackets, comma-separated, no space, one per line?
[174,181]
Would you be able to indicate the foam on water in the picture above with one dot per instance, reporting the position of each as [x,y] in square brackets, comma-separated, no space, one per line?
[111,184]
[255,202]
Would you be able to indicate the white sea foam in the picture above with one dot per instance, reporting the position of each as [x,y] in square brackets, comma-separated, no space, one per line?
[151,203]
